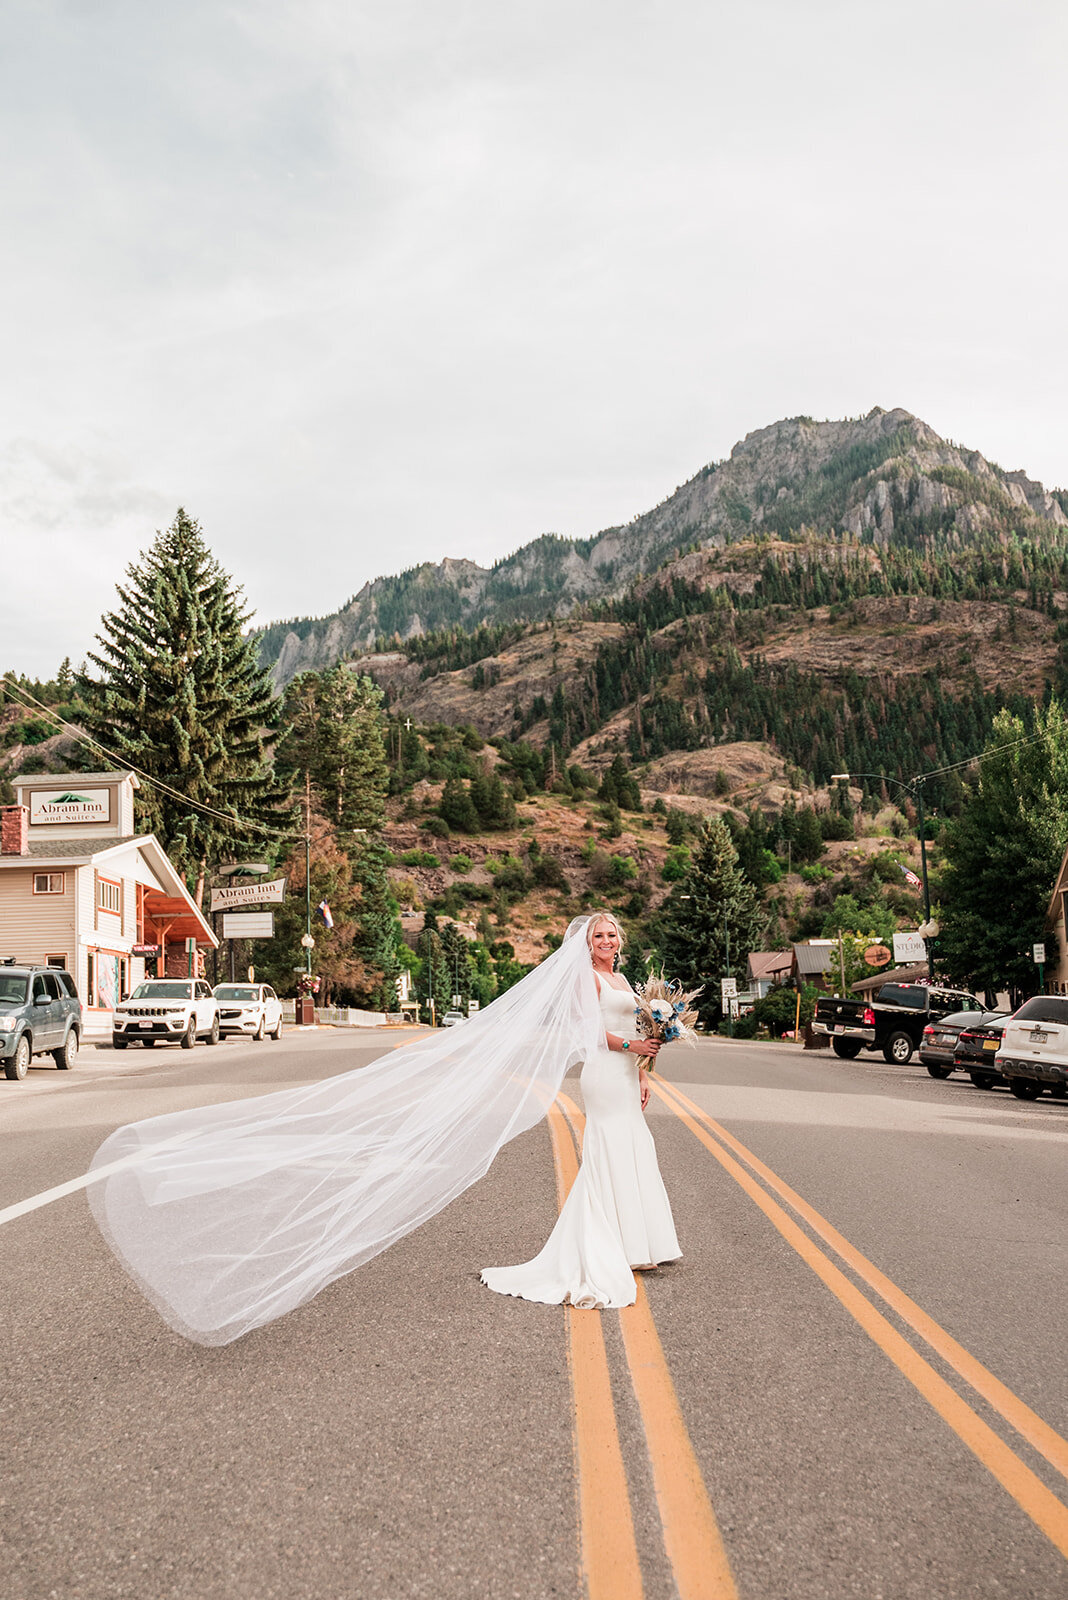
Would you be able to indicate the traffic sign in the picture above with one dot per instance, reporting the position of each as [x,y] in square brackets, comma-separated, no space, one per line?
[1038,953]
[728,988]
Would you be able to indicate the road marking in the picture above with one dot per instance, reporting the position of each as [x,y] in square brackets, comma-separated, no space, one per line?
[1026,1488]
[692,1538]
[610,1566]
[997,1395]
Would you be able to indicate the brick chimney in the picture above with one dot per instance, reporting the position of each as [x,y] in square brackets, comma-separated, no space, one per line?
[14,831]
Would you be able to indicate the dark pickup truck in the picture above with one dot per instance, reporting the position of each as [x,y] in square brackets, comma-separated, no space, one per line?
[892,1021]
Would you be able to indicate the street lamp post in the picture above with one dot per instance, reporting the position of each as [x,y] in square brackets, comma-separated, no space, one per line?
[914,788]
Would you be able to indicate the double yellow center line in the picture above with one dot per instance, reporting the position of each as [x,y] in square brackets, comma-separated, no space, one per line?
[610,1561]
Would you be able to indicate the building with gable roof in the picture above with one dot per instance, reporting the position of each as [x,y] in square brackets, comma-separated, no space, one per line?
[80,889]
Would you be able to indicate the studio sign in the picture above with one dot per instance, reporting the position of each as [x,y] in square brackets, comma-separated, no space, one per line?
[69,805]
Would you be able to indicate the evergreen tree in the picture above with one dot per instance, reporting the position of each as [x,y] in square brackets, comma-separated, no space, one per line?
[377,938]
[714,906]
[333,739]
[1002,855]
[181,696]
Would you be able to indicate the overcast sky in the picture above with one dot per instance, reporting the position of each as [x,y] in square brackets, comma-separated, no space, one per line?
[365,284]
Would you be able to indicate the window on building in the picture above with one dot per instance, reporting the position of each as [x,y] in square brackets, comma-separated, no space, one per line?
[49,882]
[56,961]
[110,896]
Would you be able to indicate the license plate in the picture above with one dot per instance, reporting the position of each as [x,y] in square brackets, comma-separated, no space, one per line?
[145,1024]
[839,1027]
[1038,1037]
[991,1044]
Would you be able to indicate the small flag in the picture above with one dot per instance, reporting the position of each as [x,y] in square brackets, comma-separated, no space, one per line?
[326,914]
[909,877]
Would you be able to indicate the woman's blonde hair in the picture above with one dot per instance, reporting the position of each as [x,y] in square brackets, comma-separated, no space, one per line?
[595,922]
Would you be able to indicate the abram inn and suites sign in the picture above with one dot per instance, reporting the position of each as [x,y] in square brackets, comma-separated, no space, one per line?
[69,805]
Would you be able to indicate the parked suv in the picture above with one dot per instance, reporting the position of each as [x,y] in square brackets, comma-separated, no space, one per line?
[251,1008]
[40,1013]
[1033,1054]
[181,1010]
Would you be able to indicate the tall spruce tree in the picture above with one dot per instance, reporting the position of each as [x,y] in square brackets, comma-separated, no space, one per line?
[713,906]
[333,739]
[179,694]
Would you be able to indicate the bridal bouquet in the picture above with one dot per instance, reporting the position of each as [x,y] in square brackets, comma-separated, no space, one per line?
[663,1012]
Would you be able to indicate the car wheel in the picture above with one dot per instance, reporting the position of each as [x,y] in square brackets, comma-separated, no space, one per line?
[1059,1091]
[276,1033]
[213,1031]
[67,1055]
[19,1063]
[1025,1088]
[117,1043]
[189,1037]
[898,1050]
[848,1049]
[982,1080]
[262,1028]
[937,1072]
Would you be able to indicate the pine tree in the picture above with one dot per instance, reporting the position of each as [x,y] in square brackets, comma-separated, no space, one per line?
[181,696]
[333,739]
[714,906]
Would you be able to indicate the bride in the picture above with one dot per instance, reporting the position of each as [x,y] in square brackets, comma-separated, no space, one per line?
[617,1216]
[227,1216]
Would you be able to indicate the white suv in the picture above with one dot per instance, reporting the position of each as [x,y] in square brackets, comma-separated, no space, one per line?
[1033,1053]
[251,1008]
[179,1010]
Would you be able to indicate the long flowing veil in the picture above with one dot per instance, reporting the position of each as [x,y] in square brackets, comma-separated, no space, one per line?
[227,1216]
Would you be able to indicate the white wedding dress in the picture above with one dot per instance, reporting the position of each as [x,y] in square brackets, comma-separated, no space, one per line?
[617,1215]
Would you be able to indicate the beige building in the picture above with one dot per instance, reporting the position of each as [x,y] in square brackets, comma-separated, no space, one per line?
[1057,933]
[80,890]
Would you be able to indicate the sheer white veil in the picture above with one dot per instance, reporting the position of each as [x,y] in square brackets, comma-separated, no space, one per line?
[227,1216]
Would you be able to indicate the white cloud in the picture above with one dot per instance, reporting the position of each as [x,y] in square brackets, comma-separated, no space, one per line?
[361,285]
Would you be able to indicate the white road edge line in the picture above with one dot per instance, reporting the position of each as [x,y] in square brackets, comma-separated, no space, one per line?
[23,1207]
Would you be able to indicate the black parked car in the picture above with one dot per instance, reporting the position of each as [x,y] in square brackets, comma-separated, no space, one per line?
[977,1047]
[939,1041]
[39,1013]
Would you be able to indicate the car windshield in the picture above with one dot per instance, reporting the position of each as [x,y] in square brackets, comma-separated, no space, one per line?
[12,990]
[235,991]
[1043,1008]
[163,991]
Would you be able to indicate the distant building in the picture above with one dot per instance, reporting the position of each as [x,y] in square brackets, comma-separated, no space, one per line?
[766,969]
[815,962]
[80,890]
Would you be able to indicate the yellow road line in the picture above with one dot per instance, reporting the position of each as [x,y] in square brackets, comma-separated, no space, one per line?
[606,1528]
[1027,1423]
[1030,1493]
[692,1538]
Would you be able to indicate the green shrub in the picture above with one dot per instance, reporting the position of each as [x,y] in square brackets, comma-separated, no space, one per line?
[438,827]
[419,858]
[676,865]
[461,864]
[816,874]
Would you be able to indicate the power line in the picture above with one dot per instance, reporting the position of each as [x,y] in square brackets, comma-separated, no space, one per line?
[156,783]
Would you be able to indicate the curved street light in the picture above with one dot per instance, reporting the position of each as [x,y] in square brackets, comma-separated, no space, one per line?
[914,788]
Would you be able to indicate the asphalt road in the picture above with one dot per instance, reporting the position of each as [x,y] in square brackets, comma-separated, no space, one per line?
[781,1414]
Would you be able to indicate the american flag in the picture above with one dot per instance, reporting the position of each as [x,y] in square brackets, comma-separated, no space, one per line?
[327,917]
[909,876]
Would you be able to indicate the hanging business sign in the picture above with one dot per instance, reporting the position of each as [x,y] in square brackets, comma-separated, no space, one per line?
[248,925]
[50,806]
[877,955]
[909,947]
[249,894]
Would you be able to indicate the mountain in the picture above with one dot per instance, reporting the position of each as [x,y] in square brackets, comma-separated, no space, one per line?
[867,484]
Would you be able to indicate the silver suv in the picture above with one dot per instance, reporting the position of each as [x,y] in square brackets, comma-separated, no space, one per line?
[39,1013]
[178,1010]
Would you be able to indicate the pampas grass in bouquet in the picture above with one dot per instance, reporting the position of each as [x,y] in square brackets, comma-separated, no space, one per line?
[664,1012]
